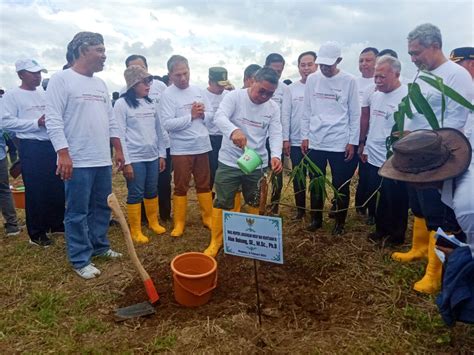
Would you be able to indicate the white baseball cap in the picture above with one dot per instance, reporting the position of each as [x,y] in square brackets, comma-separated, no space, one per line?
[30,65]
[328,53]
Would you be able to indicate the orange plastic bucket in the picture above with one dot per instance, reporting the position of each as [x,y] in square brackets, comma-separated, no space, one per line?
[194,276]
[18,197]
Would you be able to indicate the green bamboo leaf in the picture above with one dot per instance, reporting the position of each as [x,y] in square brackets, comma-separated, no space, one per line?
[410,89]
[408,111]
[420,102]
[448,91]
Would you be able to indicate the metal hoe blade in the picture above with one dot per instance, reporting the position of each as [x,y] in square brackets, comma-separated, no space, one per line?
[134,311]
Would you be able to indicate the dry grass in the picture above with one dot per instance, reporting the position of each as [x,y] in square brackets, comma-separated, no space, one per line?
[332,295]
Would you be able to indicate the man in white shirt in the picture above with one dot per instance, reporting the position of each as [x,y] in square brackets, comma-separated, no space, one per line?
[464,56]
[306,66]
[425,48]
[81,126]
[367,59]
[164,177]
[215,93]
[246,117]
[390,208]
[184,108]
[282,98]
[44,196]
[330,131]
[249,75]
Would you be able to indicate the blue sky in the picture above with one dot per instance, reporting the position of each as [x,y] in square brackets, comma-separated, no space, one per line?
[228,33]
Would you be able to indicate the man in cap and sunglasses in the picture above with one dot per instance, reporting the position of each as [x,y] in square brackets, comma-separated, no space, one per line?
[81,125]
[442,159]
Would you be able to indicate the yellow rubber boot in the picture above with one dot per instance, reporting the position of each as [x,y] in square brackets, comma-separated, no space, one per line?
[179,215]
[135,220]
[431,282]
[237,202]
[253,210]
[216,233]
[205,202]
[151,210]
[419,247]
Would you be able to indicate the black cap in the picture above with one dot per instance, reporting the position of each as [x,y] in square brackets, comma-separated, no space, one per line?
[462,53]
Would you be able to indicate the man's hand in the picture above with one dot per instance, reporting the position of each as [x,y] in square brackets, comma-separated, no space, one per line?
[277,167]
[286,148]
[42,121]
[238,138]
[128,172]
[197,110]
[119,158]
[64,168]
[360,152]
[305,146]
[445,250]
[349,153]
[162,164]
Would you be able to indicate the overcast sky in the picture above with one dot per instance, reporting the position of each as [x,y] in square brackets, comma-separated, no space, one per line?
[225,33]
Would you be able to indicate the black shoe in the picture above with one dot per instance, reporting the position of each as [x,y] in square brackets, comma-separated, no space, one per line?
[41,240]
[370,221]
[361,211]
[338,229]
[12,230]
[314,225]
[376,237]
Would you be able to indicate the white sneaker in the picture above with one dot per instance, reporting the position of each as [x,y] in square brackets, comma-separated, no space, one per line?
[88,272]
[112,254]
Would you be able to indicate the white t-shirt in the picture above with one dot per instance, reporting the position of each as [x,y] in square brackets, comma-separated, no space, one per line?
[256,122]
[462,201]
[281,97]
[141,131]
[215,101]
[363,84]
[331,118]
[18,106]
[79,116]
[156,89]
[381,121]
[297,107]
[469,127]
[455,115]
[187,136]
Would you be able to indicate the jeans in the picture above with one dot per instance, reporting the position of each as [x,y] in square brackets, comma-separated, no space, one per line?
[144,183]
[44,199]
[87,214]
[6,199]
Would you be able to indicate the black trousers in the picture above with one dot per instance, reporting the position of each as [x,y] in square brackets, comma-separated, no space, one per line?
[44,190]
[363,186]
[164,188]
[342,173]
[391,211]
[427,204]
[299,180]
[216,142]
[277,186]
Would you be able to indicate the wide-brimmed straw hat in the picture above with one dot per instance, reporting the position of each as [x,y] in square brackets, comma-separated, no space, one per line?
[428,156]
[134,74]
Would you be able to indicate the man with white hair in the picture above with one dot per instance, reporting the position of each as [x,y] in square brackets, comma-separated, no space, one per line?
[44,197]
[81,126]
[330,130]
[391,212]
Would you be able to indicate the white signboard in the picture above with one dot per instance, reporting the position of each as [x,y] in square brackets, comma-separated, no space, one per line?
[252,236]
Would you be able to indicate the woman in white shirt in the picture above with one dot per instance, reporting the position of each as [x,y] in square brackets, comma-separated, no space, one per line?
[144,150]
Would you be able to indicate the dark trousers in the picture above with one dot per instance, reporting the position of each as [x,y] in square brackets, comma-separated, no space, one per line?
[427,204]
[373,183]
[164,188]
[391,213]
[277,185]
[363,186]
[6,200]
[216,142]
[299,179]
[44,190]
[341,174]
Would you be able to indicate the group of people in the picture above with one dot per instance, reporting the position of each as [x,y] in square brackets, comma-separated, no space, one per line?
[327,117]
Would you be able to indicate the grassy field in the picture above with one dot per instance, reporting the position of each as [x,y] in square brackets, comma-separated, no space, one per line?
[332,295]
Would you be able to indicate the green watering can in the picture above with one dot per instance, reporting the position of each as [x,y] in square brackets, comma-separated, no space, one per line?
[249,161]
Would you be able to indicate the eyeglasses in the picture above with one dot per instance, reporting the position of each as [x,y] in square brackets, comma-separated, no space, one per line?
[146,81]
